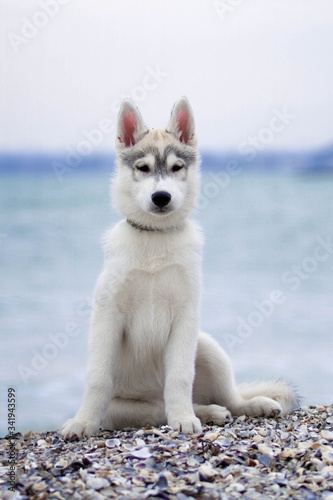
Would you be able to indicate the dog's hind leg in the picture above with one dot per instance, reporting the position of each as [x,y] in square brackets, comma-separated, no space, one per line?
[215,385]
[123,412]
[135,413]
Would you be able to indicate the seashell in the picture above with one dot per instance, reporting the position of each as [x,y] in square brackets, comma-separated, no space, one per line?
[97,483]
[191,462]
[223,442]
[61,464]
[141,453]
[42,443]
[284,435]
[206,471]
[111,443]
[237,458]
[238,487]
[265,459]
[328,435]
[162,482]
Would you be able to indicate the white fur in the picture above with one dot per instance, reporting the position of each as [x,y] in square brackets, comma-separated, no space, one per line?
[148,362]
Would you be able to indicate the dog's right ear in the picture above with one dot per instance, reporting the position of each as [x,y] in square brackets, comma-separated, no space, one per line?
[130,126]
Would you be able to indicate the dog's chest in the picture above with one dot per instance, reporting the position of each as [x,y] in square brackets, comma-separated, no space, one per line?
[157,293]
[153,276]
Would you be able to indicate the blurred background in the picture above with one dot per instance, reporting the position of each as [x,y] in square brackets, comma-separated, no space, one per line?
[259,76]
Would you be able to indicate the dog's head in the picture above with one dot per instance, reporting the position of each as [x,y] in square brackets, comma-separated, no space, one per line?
[157,178]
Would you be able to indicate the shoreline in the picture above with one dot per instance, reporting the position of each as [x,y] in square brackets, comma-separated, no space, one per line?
[251,458]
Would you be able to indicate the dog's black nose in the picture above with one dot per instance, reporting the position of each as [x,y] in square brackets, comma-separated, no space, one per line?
[161,198]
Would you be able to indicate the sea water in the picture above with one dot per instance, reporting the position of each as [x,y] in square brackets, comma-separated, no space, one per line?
[267,292]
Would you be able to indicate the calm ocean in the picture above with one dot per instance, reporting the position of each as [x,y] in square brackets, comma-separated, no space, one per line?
[267,291]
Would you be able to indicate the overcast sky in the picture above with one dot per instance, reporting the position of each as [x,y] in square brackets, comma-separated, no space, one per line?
[65,64]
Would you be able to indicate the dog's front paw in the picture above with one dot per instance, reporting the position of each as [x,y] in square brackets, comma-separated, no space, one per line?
[189,424]
[74,427]
[261,406]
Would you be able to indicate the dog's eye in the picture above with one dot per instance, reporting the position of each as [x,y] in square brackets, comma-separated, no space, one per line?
[176,168]
[143,168]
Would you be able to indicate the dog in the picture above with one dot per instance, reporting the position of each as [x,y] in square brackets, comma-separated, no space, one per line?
[148,362]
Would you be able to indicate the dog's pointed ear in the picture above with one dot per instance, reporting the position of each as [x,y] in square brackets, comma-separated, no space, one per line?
[181,123]
[130,125]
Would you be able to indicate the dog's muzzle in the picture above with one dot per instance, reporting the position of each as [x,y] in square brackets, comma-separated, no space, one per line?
[161,198]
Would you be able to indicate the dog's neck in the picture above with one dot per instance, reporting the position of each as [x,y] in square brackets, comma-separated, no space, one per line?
[159,229]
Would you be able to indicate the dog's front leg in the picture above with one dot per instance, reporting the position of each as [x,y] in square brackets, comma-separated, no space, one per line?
[105,334]
[179,374]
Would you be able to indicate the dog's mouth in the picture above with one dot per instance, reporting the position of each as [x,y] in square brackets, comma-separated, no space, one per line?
[161,211]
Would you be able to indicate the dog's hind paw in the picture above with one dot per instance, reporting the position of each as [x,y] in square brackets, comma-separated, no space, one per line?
[214,413]
[75,428]
[187,425]
[261,406]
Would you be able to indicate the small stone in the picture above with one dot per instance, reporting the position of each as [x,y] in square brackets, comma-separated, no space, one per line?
[211,436]
[40,486]
[99,444]
[265,450]
[288,453]
[28,435]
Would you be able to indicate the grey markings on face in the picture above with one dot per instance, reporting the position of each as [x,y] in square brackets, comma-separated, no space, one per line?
[185,154]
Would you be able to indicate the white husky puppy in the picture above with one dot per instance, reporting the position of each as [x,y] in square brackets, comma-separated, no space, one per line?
[149,363]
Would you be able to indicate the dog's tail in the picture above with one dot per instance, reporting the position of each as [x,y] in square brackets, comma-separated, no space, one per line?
[279,390]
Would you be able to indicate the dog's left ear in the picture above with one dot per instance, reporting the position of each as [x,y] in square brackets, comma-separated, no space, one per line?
[130,125]
[181,123]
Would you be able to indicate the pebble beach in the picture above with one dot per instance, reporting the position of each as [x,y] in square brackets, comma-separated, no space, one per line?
[249,458]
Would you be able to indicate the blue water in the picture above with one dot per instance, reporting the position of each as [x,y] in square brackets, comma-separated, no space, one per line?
[257,226]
